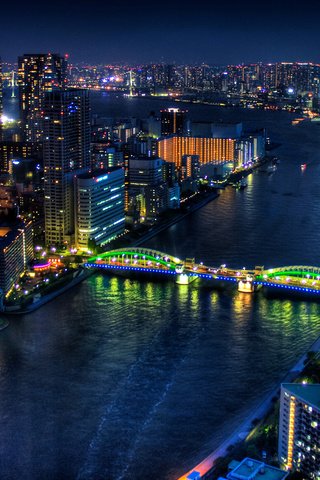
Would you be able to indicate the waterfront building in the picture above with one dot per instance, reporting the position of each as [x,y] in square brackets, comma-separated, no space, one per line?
[146,186]
[1,101]
[250,469]
[38,74]
[216,150]
[66,152]
[173,121]
[299,428]
[16,251]
[99,207]
[190,167]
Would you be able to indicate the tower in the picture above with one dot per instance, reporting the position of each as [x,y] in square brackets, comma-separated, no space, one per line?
[1,104]
[99,207]
[13,84]
[37,74]
[299,422]
[172,121]
[66,152]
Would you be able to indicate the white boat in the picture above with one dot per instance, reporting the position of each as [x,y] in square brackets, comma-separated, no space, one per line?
[243,183]
[271,168]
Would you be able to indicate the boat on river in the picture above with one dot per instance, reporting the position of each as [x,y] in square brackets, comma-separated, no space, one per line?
[271,168]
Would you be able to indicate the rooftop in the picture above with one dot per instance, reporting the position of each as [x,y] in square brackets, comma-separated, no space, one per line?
[308,392]
[97,173]
[4,231]
[250,469]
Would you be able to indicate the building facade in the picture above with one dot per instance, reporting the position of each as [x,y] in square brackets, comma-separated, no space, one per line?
[16,251]
[66,152]
[216,150]
[99,207]
[173,121]
[146,186]
[299,428]
[37,74]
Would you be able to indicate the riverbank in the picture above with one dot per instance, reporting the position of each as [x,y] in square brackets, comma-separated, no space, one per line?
[257,413]
[176,219]
[82,274]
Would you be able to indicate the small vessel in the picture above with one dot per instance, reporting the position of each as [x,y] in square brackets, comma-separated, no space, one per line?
[242,184]
[303,166]
[271,168]
[296,121]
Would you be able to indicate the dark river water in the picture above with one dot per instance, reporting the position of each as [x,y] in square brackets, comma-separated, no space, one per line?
[124,379]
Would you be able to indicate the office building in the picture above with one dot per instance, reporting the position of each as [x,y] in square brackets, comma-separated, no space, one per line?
[99,207]
[146,186]
[216,150]
[299,429]
[190,167]
[16,251]
[173,121]
[11,151]
[37,74]
[104,156]
[66,152]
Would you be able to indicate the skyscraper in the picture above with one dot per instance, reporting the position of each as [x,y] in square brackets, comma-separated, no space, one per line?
[172,121]
[66,152]
[1,104]
[299,428]
[37,74]
[99,207]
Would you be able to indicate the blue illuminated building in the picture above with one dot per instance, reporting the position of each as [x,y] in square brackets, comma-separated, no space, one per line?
[99,207]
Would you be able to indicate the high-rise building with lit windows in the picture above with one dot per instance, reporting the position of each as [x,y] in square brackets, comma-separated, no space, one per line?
[16,251]
[216,150]
[99,207]
[66,152]
[37,74]
[173,121]
[299,428]
[1,102]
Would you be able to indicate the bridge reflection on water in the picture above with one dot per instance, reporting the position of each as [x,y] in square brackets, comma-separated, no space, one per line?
[295,279]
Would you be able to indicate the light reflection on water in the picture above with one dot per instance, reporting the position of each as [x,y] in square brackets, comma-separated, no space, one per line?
[134,379]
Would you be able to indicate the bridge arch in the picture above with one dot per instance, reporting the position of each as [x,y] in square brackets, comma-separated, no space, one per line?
[291,271]
[139,254]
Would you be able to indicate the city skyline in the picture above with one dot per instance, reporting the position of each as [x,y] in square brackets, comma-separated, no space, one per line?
[139,33]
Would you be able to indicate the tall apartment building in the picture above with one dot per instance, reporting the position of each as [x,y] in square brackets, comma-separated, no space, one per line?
[99,207]
[38,74]
[16,250]
[299,428]
[146,184]
[66,152]
[11,151]
[1,101]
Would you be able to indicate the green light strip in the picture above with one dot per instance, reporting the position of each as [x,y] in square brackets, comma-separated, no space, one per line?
[288,273]
[132,254]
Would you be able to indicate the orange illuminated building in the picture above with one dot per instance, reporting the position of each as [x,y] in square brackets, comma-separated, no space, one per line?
[216,150]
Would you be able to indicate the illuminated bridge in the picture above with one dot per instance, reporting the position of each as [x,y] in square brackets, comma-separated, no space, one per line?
[297,279]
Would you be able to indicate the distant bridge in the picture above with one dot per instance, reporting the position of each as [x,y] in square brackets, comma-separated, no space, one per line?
[303,279]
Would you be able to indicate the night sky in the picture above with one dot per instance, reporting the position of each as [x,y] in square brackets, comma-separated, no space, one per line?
[125,31]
